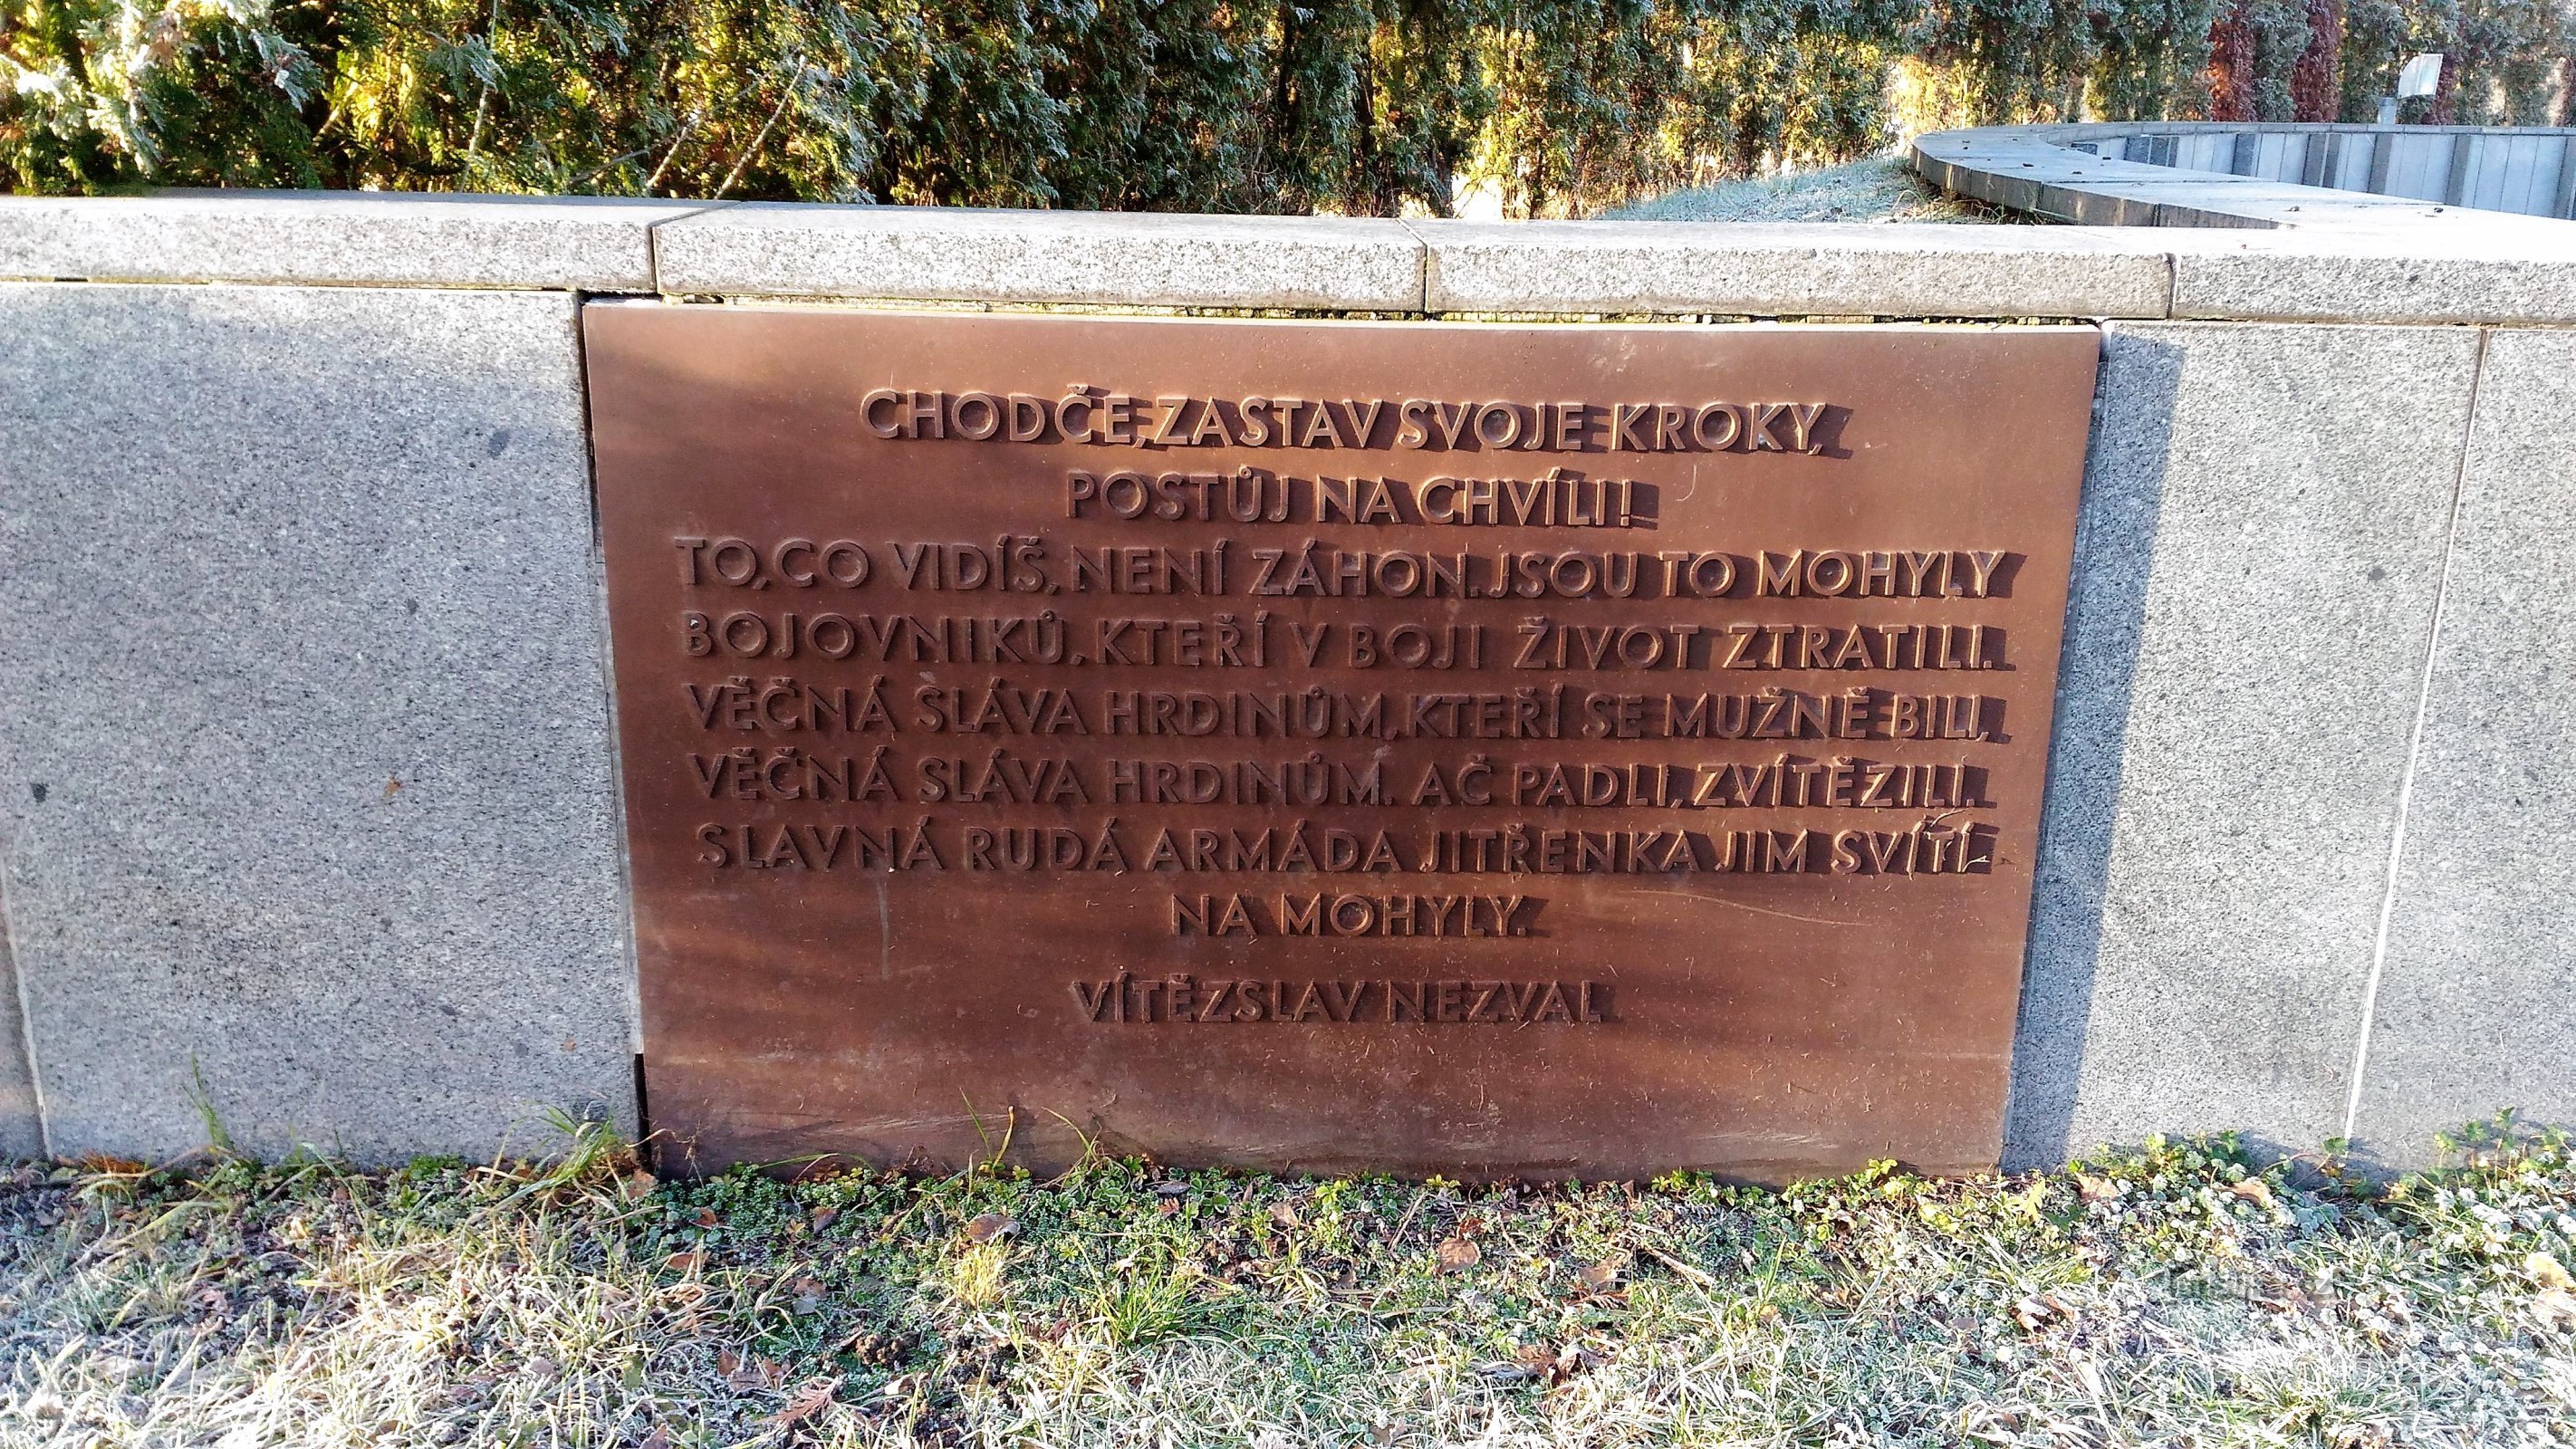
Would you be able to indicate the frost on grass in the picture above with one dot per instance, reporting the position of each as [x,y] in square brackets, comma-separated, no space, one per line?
[2177,1296]
[1880,189]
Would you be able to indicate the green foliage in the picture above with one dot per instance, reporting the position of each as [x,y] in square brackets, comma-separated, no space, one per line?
[1598,102]
[2003,61]
[1996,62]
[2507,60]
[1365,107]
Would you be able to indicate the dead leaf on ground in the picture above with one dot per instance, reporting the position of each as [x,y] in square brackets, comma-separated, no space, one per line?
[988,1226]
[706,1218]
[1600,1275]
[688,1262]
[807,1401]
[640,1183]
[1456,1255]
[2094,1189]
[2254,1190]
[660,1438]
[2037,1310]
[824,1217]
[810,1292]
[743,1375]
[2555,1307]
[2547,1271]
[1284,1214]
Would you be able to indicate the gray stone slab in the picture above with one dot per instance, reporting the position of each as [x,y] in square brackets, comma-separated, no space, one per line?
[1115,259]
[2459,267]
[2255,570]
[305,785]
[599,244]
[22,1125]
[2196,199]
[2476,1007]
[1824,269]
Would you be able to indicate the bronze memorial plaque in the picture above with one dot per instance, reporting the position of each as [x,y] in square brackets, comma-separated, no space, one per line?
[1476,749]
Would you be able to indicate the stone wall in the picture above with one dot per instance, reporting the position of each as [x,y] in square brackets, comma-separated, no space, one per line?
[2264,175]
[308,823]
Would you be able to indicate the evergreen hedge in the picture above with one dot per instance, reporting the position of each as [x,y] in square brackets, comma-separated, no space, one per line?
[1365,107]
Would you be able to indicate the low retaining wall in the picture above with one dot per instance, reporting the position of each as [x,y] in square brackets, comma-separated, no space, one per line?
[308,822]
[2241,174]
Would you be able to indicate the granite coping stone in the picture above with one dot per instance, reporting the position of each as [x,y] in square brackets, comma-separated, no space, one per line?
[2255,567]
[960,254]
[306,799]
[1787,269]
[2513,270]
[598,244]
[2473,1008]
[2354,257]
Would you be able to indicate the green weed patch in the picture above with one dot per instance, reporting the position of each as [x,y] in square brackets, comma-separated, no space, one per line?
[2178,1296]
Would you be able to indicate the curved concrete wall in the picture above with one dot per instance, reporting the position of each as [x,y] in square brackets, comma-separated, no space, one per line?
[307,814]
[2232,174]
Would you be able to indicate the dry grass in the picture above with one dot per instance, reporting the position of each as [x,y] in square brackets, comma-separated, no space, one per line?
[2172,1297]
[1881,189]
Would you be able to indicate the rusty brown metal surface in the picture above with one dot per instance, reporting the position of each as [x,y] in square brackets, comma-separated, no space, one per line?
[1009,762]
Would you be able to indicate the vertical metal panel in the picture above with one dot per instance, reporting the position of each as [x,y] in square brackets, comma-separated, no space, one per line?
[2418,165]
[2317,162]
[2457,178]
[2383,160]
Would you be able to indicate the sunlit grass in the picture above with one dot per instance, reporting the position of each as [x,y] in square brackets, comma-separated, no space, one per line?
[2176,1296]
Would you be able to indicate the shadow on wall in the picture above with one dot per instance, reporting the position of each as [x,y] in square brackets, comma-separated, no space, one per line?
[22,1132]
[2124,479]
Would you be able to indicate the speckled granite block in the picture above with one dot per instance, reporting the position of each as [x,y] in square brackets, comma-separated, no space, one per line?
[595,242]
[1787,269]
[305,785]
[971,254]
[2262,531]
[2477,998]
[2468,267]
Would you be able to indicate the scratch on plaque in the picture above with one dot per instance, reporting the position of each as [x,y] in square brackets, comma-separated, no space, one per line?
[1757,910]
[885,934]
